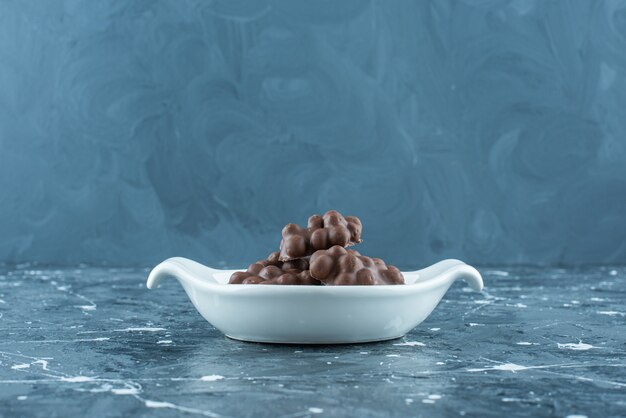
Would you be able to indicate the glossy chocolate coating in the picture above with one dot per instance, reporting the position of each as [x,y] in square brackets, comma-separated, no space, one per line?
[340,267]
[321,233]
[273,271]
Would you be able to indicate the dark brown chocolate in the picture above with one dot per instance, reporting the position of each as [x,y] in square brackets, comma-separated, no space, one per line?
[340,267]
[273,271]
[321,233]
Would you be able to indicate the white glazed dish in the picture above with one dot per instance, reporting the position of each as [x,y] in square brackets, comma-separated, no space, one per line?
[314,314]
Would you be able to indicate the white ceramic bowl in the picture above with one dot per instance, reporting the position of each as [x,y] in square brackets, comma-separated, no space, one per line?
[314,314]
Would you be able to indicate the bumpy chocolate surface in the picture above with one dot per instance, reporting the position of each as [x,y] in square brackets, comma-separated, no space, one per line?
[321,233]
[339,267]
[273,271]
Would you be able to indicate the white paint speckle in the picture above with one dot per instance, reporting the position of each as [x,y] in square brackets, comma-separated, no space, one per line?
[392,355]
[578,347]
[597,299]
[408,401]
[428,401]
[434,396]
[88,307]
[412,344]
[524,343]
[20,366]
[125,391]
[140,329]
[482,302]
[22,398]
[329,362]
[363,352]
[576,416]
[474,324]
[315,410]
[157,404]
[440,363]
[498,273]
[613,272]
[164,342]
[610,313]
[77,379]
[211,378]
[43,363]
[520,305]
[510,367]
[434,329]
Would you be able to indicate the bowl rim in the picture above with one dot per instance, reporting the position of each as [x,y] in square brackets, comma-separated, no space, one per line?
[419,285]
[198,276]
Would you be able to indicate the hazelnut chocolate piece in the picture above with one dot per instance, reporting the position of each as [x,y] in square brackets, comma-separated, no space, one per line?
[321,233]
[273,271]
[338,266]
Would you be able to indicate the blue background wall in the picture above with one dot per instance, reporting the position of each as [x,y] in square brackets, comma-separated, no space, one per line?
[493,131]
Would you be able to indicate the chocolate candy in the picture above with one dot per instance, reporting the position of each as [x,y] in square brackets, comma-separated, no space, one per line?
[338,266]
[273,271]
[321,233]
[325,237]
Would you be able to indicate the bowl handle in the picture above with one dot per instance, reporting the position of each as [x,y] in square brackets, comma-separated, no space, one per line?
[448,271]
[468,273]
[186,271]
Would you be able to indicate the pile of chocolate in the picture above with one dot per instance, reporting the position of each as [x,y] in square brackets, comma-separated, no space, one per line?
[316,255]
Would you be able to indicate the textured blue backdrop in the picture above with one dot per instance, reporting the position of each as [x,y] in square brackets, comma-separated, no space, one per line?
[493,131]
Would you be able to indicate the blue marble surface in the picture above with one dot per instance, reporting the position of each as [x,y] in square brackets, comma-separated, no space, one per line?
[492,131]
[86,341]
